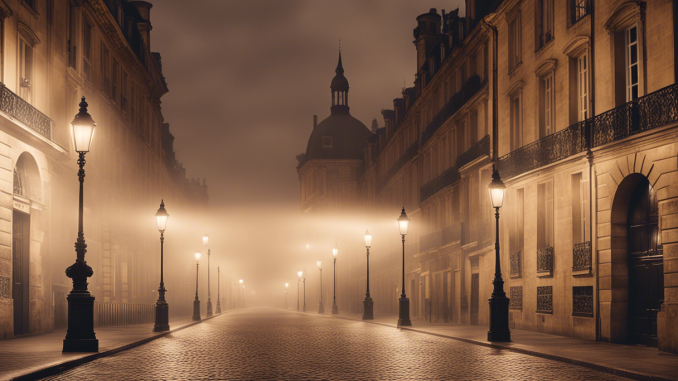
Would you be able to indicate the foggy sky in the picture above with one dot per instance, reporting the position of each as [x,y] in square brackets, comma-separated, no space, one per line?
[246,78]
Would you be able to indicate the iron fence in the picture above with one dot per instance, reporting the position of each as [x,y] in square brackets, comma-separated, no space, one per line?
[410,153]
[431,241]
[545,261]
[19,109]
[451,233]
[448,177]
[480,148]
[111,314]
[581,256]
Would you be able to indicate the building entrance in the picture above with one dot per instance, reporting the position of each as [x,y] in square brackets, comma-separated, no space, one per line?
[20,276]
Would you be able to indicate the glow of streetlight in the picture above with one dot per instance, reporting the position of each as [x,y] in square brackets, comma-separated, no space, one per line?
[240,281]
[205,239]
[403,223]
[300,273]
[197,255]
[320,263]
[335,250]
[161,217]
[83,129]
[368,239]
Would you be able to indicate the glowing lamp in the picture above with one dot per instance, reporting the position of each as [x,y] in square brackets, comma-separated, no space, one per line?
[83,129]
[335,250]
[161,217]
[497,189]
[197,255]
[320,264]
[286,285]
[403,223]
[205,239]
[240,281]
[368,239]
[300,273]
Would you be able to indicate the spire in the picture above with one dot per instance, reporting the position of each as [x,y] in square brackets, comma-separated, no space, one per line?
[339,87]
[340,67]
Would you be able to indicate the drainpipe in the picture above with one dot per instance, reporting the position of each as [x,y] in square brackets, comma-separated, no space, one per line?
[495,123]
[592,174]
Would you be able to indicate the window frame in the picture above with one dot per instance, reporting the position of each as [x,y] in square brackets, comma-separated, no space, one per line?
[515,36]
[326,139]
[629,66]
[583,83]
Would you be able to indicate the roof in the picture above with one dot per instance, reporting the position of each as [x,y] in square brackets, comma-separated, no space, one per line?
[349,138]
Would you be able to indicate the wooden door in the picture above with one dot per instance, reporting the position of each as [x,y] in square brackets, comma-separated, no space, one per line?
[646,265]
[20,263]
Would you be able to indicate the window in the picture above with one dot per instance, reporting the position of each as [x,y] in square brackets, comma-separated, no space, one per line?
[514,42]
[579,205]
[546,22]
[547,103]
[123,92]
[105,70]
[114,81]
[545,215]
[72,51]
[583,86]
[133,100]
[631,43]
[87,50]
[25,69]
[580,9]
[474,126]
[461,138]
[518,238]
[516,122]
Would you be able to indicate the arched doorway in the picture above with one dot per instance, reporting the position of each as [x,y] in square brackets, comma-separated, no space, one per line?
[27,187]
[645,265]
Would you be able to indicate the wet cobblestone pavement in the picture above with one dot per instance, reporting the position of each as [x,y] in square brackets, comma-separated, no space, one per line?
[268,344]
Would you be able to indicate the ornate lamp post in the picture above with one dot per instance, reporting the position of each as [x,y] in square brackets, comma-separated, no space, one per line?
[205,240]
[161,306]
[368,304]
[218,290]
[80,336]
[286,285]
[243,296]
[299,273]
[196,302]
[335,309]
[499,303]
[404,315]
[321,309]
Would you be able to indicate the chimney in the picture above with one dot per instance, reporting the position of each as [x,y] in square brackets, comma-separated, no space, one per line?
[144,9]
[426,34]
[315,121]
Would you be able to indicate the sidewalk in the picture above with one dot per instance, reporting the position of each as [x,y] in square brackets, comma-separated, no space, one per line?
[637,362]
[26,355]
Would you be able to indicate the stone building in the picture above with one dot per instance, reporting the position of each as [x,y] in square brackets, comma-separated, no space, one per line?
[53,53]
[575,102]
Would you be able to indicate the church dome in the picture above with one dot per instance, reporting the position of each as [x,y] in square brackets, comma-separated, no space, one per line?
[340,136]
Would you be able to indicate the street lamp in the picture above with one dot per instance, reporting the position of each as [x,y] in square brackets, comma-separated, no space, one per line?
[205,240]
[335,309]
[161,306]
[286,285]
[321,309]
[404,315]
[499,303]
[298,281]
[80,336]
[218,290]
[243,296]
[368,304]
[196,302]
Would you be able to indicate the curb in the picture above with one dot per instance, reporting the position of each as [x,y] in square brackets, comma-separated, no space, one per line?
[591,365]
[70,364]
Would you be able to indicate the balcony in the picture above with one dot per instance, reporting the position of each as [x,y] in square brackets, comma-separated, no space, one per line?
[479,149]
[14,106]
[516,264]
[409,154]
[431,241]
[582,258]
[643,114]
[447,178]
[451,234]
[545,262]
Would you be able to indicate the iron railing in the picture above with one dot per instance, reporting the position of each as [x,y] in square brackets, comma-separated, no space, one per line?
[545,261]
[451,233]
[545,300]
[516,264]
[648,112]
[480,148]
[111,314]
[19,109]
[581,256]
[431,241]
[448,177]
[582,301]
[408,155]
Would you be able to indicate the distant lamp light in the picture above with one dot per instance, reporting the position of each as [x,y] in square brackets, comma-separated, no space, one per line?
[403,223]
[368,239]
[300,273]
[197,255]
[320,264]
[335,250]
[161,217]
[205,239]
[497,189]
[83,129]
[308,246]
[240,281]
[287,285]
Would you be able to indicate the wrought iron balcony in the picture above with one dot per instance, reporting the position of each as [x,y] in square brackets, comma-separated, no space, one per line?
[545,261]
[654,110]
[516,264]
[480,148]
[408,155]
[581,256]
[465,233]
[447,178]
[431,241]
[24,112]
[451,233]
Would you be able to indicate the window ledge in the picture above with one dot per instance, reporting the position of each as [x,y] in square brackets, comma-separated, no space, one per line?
[582,273]
[579,21]
[515,68]
[543,47]
[544,274]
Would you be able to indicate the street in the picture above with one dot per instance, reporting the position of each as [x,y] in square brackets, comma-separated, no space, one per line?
[261,343]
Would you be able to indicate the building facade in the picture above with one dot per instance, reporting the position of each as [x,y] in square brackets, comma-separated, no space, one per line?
[574,102]
[53,53]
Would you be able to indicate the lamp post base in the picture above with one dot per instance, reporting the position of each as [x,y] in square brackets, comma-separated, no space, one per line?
[321,309]
[209,308]
[218,307]
[335,309]
[196,310]
[499,319]
[161,316]
[80,336]
[404,313]
[368,308]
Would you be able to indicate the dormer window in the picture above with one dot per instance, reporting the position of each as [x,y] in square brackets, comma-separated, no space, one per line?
[327,142]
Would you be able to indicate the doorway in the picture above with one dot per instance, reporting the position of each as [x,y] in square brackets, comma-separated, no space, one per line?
[20,275]
[646,266]
[475,295]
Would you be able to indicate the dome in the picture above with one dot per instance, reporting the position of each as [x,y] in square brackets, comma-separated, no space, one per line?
[340,136]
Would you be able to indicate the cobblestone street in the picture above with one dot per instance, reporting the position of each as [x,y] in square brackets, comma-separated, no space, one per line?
[258,343]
